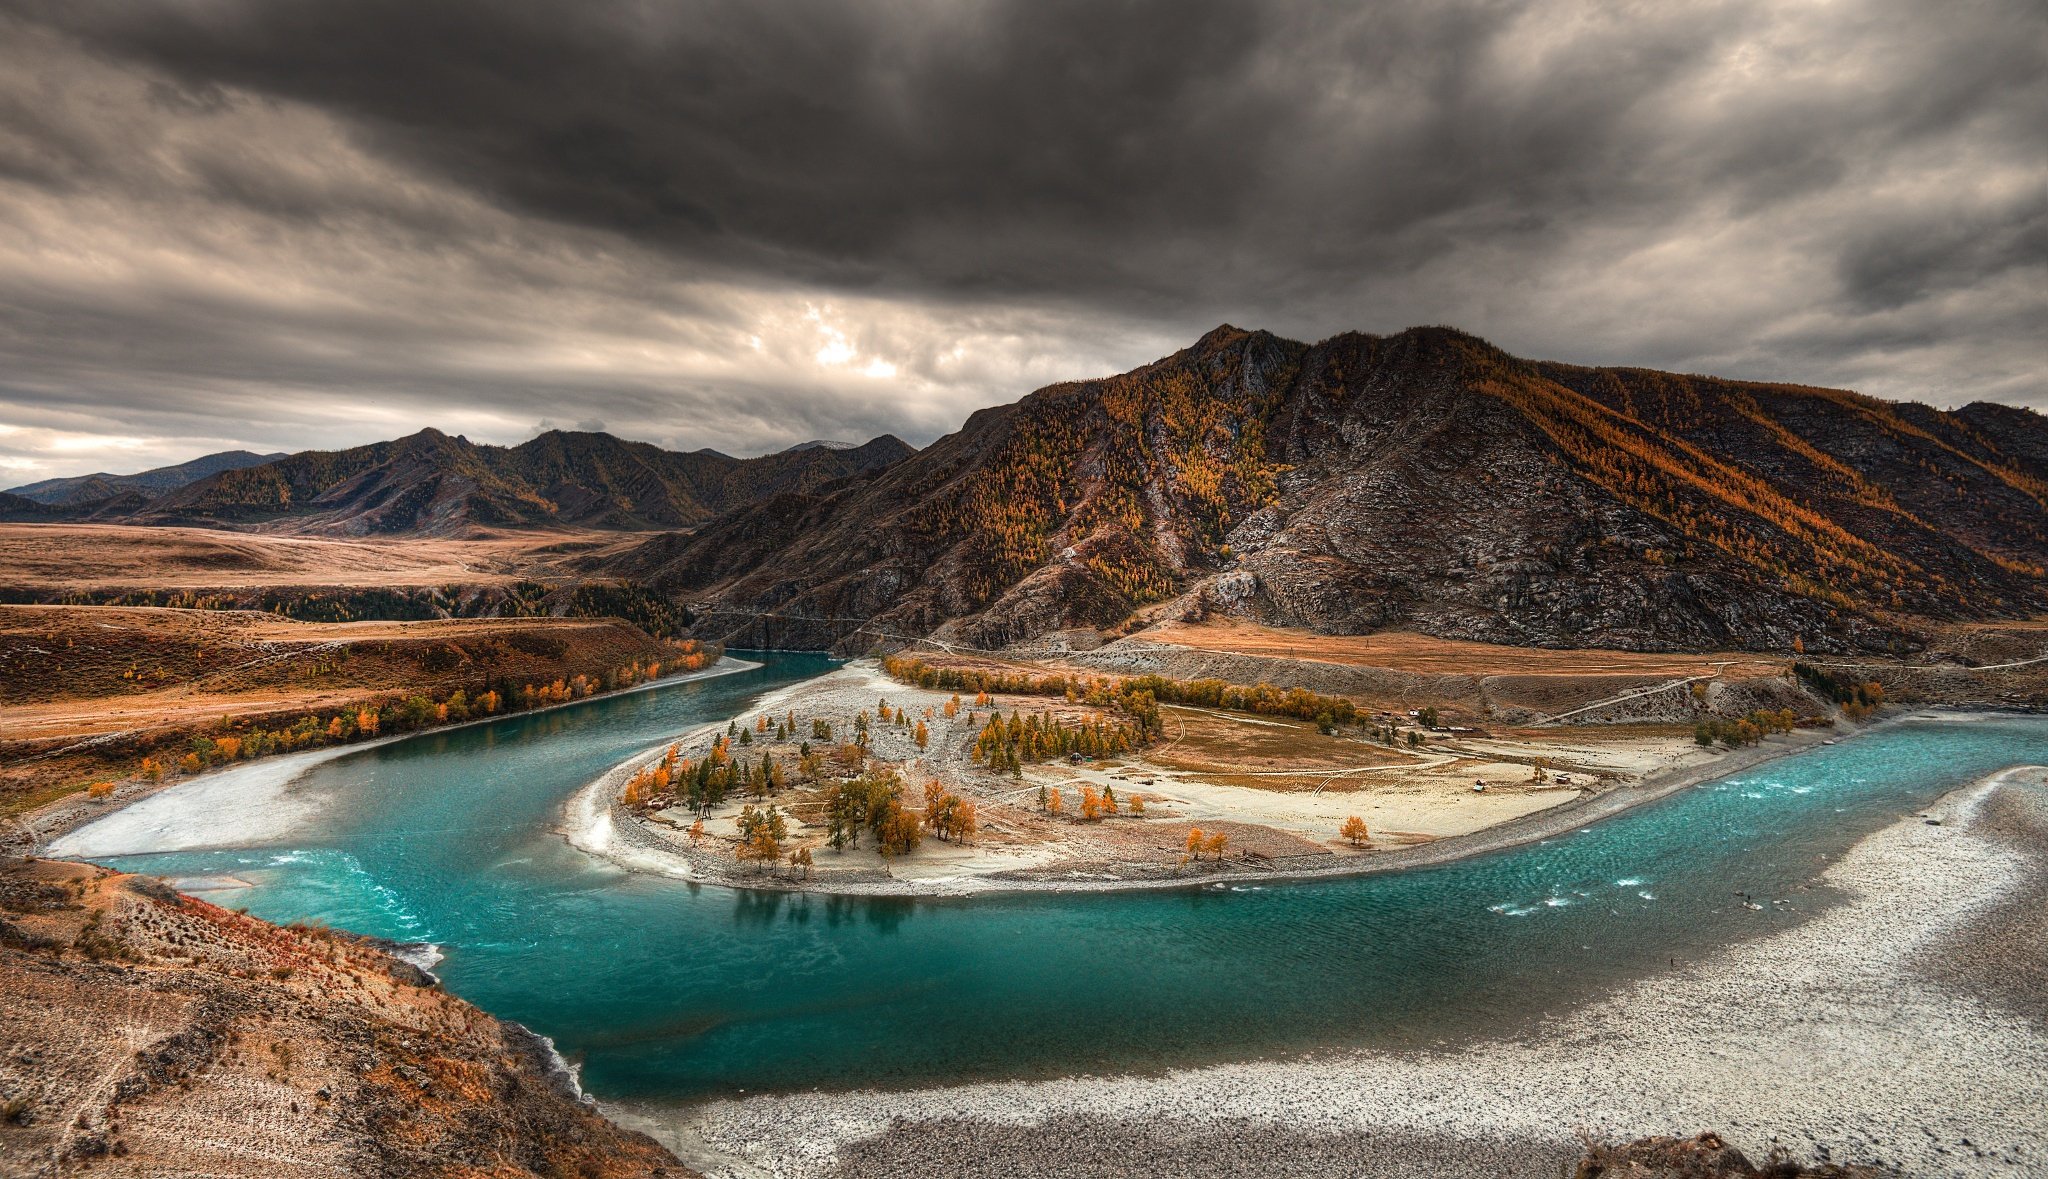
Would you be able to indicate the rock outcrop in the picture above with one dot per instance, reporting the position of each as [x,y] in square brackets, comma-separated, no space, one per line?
[1703,1156]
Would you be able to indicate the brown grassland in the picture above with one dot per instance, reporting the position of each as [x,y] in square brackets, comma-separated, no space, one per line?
[86,692]
[81,557]
[1409,652]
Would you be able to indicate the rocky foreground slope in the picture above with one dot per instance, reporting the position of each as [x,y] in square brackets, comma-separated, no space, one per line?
[1423,481]
[145,1033]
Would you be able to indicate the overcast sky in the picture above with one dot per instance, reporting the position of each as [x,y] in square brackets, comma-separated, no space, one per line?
[279,224]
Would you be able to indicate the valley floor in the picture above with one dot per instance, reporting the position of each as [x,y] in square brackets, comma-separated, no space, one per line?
[1841,1038]
[84,558]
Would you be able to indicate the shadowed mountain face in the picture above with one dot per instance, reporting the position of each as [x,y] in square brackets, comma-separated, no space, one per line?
[102,487]
[1424,480]
[23,510]
[436,484]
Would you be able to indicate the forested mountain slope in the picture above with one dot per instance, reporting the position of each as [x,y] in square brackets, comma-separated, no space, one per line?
[1424,480]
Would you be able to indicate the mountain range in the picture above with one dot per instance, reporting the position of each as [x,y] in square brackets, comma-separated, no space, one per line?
[433,483]
[100,486]
[1425,480]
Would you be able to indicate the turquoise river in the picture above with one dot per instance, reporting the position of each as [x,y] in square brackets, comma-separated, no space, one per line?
[668,991]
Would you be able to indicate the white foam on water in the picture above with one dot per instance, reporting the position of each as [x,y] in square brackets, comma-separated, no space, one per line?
[570,1074]
[199,884]
[425,955]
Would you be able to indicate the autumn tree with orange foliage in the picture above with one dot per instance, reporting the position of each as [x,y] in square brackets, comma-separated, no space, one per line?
[761,835]
[947,815]
[899,833]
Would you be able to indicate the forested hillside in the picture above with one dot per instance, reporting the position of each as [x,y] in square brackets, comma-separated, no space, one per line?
[1426,480]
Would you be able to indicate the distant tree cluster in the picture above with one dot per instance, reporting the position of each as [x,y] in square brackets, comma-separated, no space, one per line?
[1746,731]
[872,803]
[405,714]
[1214,843]
[711,779]
[949,816]
[1018,740]
[1138,696]
[761,835]
[1857,699]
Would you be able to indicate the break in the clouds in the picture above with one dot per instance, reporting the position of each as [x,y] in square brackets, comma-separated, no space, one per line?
[287,223]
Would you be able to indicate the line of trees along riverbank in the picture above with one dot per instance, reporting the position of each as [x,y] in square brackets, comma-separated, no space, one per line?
[386,714]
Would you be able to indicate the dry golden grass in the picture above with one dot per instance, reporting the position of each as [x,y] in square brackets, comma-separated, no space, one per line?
[79,557]
[143,679]
[1404,651]
[1217,743]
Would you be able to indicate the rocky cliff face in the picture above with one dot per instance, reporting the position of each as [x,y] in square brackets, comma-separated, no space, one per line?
[146,1033]
[1424,480]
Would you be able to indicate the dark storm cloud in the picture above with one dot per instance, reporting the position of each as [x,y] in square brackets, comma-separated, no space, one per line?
[480,204]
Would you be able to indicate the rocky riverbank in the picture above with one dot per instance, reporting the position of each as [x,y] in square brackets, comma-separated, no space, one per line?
[1826,1039]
